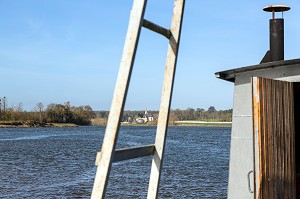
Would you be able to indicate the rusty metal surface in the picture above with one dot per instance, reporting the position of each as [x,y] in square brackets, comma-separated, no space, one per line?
[273,110]
[126,65]
[166,97]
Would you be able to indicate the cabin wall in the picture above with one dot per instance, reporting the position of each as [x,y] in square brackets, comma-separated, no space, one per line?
[242,146]
[241,153]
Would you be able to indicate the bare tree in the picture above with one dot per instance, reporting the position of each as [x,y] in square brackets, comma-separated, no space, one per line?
[19,107]
[40,109]
[4,103]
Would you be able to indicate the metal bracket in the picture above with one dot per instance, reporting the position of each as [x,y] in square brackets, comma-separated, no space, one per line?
[249,185]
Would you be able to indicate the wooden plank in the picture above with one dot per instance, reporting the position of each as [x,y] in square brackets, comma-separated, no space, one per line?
[134,152]
[256,131]
[156,28]
[120,93]
[166,97]
[274,139]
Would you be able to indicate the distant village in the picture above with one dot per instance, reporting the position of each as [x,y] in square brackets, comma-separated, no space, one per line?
[150,117]
[141,119]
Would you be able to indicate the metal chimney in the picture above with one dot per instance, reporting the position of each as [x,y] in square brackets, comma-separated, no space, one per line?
[276,52]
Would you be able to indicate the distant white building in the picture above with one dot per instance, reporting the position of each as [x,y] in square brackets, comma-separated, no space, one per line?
[147,117]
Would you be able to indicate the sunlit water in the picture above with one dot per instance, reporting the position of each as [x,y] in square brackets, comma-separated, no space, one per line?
[59,163]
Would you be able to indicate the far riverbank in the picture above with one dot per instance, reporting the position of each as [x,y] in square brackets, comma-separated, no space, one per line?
[30,124]
[201,123]
[36,124]
[183,123]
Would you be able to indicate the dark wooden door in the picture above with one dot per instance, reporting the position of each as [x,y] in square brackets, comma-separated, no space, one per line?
[274,139]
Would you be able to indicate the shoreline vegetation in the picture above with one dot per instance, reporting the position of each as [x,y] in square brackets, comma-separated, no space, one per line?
[66,115]
[35,124]
[184,123]
[32,124]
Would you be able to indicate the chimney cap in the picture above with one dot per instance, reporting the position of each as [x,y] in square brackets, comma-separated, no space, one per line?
[276,8]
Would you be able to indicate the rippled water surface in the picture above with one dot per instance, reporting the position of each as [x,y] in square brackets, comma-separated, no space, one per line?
[59,163]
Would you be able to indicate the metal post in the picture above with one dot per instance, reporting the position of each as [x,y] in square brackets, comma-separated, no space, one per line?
[276,52]
[276,39]
[162,125]
[120,93]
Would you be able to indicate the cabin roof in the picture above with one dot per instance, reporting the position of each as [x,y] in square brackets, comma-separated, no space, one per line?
[229,75]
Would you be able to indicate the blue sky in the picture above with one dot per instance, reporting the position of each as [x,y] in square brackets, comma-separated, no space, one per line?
[57,51]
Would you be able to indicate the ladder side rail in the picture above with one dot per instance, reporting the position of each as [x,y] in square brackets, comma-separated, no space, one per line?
[162,125]
[119,97]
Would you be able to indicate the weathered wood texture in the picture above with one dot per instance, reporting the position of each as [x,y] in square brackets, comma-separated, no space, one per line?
[108,153]
[128,153]
[166,98]
[134,152]
[119,98]
[273,109]
[156,28]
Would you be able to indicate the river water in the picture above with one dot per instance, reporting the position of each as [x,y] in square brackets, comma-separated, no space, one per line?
[59,162]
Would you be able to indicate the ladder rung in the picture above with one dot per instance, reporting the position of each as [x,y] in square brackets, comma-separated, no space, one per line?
[156,28]
[129,153]
[135,152]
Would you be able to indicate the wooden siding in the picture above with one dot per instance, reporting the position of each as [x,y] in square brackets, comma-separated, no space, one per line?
[274,134]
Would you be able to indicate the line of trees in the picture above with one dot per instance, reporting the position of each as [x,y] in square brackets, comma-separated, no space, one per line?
[201,114]
[53,113]
[84,115]
[211,114]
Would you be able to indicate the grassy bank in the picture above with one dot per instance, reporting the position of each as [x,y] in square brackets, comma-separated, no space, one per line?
[138,124]
[30,124]
[103,122]
[201,123]
[183,123]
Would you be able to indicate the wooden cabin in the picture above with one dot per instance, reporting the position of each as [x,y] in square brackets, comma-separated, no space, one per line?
[265,141]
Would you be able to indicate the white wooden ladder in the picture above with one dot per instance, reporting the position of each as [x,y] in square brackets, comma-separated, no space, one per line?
[109,153]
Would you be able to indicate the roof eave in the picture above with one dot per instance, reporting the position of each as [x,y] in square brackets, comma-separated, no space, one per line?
[229,75]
